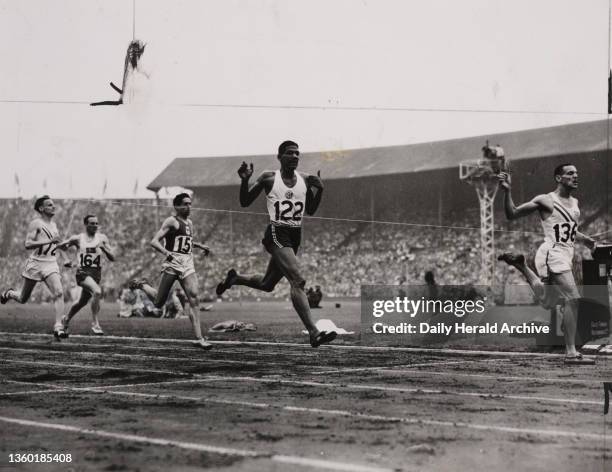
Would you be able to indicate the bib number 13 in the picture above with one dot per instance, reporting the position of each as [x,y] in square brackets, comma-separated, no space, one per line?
[288,211]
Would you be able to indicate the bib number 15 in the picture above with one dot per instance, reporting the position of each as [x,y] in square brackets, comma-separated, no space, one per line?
[288,211]
[182,244]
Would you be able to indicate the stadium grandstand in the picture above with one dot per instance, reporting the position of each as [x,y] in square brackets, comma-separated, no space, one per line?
[389,214]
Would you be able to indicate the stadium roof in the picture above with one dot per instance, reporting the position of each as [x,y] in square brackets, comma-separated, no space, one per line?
[193,172]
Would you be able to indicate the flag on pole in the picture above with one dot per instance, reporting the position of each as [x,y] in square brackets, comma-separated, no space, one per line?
[105,187]
[135,191]
[610,93]
[17,185]
[45,184]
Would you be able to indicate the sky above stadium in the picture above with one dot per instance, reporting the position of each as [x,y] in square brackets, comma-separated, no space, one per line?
[232,77]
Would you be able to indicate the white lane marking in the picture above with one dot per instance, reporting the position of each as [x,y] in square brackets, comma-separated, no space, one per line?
[386,369]
[403,367]
[381,388]
[94,367]
[286,459]
[346,413]
[347,370]
[69,343]
[465,352]
[384,388]
[30,392]
[208,360]
[497,377]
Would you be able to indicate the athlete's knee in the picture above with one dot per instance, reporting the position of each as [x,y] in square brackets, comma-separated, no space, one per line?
[297,282]
[57,294]
[95,293]
[267,285]
[573,301]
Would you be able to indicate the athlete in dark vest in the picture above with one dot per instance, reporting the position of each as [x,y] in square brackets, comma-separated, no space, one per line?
[175,241]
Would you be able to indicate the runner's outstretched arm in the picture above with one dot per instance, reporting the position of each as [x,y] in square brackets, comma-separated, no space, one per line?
[313,199]
[248,194]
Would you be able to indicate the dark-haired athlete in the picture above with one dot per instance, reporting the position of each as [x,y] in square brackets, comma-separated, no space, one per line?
[559,215]
[41,266]
[90,246]
[288,195]
[176,233]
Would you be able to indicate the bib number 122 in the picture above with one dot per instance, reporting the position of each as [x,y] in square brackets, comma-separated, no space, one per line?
[284,209]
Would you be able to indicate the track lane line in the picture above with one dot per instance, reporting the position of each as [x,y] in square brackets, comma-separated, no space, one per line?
[285,459]
[349,386]
[129,356]
[96,367]
[465,352]
[351,414]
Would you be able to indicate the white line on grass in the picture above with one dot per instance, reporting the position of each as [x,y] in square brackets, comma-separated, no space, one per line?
[286,459]
[465,352]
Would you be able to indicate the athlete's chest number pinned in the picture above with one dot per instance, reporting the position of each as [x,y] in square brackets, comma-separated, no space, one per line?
[46,249]
[90,260]
[182,244]
[565,232]
[284,209]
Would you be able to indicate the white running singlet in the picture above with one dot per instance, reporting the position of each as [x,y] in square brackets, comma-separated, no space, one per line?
[286,205]
[90,255]
[560,228]
[46,252]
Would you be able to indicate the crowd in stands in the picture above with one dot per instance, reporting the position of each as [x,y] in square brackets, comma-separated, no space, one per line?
[338,255]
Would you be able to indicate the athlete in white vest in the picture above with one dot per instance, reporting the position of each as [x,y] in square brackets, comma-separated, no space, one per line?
[559,215]
[90,245]
[41,266]
[289,194]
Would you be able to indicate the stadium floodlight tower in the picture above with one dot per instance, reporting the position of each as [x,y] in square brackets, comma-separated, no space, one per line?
[482,175]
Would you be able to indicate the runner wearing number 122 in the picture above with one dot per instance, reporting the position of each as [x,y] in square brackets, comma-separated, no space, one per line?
[289,194]
[90,245]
